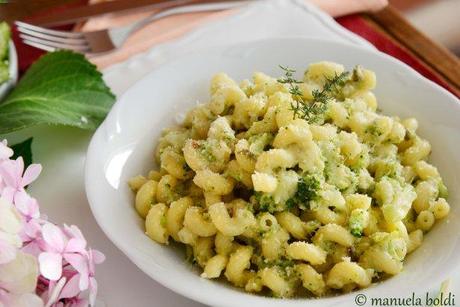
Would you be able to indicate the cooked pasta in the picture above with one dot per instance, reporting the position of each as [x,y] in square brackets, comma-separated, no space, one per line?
[291,187]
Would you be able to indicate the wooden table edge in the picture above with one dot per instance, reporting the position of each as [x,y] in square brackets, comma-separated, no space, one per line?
[436,57]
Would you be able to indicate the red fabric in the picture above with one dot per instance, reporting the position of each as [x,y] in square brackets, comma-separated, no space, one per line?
[355,23]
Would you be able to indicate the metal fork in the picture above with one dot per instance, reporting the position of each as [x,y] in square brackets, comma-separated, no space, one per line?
[105,40]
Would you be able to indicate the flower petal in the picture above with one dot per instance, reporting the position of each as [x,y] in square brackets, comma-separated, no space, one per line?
[71,288]
[97,256]
[9,172]
[79,262]
[19,166]
[32,248]
[81,302]
[7,252]
[5,151]
[92,291]
[75,246]
[74,232]
[50,265]
[19,275]
[54,291]
[27,205]
[32,229]
[31,173]
[10,220]
[54,237]
[20,300]
[27,300]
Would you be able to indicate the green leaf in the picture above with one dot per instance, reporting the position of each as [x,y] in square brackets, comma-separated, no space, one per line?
[24,150]
[61,88]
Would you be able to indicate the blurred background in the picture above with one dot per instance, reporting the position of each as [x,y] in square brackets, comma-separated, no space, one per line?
[438,19]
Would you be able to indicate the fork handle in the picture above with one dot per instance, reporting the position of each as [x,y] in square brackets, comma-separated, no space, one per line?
[119,35]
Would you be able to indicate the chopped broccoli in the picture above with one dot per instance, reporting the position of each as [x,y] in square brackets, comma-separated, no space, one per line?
[358,233]
[373,130]
[307,190]
[281,263]
[206,152]
[265,201]
[259,142]
[359,218]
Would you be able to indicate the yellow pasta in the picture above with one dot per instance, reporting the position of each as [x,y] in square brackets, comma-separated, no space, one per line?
[145,197]
[198,222]
[155,223]
[281,200]
[311,280]
[306,252]
[214,266]
[237,265]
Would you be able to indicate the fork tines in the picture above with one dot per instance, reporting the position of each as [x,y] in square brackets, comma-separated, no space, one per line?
[51,40]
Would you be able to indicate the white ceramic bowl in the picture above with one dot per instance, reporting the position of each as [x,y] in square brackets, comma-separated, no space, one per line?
[13,61]
[123,147]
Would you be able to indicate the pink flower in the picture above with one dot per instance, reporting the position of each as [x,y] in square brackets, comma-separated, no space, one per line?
[65,268]
[10,227]
[20,300]
[7,251]
[31,237]
[57,246]
[51,297]
[15,179]
[5,154]
[5,151]
[27,206]
[84,279]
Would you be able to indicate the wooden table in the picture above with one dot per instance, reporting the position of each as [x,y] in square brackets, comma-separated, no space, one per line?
[18,9]
[440,61]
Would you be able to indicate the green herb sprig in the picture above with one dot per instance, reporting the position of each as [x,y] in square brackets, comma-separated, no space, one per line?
[310,111]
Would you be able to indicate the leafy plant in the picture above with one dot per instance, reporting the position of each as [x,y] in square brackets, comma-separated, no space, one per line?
[61,88]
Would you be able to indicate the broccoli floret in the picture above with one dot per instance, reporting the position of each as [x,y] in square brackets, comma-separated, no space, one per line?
[359,218]
[358,233]
[307,190]
[259,142]
[373,130]
[265,201]
[206,152]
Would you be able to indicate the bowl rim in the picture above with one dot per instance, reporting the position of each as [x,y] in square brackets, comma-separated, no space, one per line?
[91,163]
